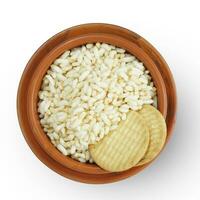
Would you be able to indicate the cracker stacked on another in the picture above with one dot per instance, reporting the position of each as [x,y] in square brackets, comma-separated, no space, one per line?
[137,141]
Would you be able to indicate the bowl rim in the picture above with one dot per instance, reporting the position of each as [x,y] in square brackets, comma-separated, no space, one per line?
[61,36]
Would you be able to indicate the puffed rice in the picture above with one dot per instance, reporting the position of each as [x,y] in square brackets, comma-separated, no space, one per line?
[85,94]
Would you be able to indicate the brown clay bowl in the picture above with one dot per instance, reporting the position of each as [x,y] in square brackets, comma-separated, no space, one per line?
[32,78]
[40,71]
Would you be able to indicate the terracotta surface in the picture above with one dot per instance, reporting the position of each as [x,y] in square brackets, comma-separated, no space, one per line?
[37,67]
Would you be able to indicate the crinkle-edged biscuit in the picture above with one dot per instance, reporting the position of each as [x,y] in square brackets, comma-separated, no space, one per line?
[124,147]
[158,132]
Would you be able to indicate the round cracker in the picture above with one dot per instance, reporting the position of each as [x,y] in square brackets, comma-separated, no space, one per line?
[158,132]
[124,147]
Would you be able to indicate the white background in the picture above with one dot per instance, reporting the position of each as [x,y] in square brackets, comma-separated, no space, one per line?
[173,27]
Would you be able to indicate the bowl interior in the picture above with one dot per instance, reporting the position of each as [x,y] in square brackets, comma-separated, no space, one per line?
[40,71]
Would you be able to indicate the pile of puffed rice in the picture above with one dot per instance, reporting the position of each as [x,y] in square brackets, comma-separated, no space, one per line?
[86,93]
